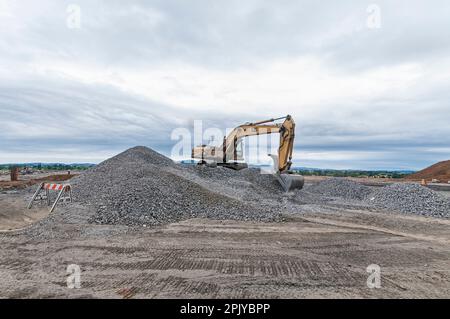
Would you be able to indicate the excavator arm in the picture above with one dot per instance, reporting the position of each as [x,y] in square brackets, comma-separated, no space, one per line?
[229,149]
[231,142]
[228,154]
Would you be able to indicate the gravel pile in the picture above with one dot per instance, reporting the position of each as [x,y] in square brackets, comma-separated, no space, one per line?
[411,199]
[246,185]
[340,187]
[142,187]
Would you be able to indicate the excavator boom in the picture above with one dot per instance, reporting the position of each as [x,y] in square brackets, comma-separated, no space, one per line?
[230,152]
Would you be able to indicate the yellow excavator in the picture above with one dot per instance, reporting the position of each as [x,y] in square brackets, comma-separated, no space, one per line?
[231,151]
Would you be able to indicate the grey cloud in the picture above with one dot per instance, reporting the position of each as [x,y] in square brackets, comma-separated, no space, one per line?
[233,33]
[65,114]
[236,33]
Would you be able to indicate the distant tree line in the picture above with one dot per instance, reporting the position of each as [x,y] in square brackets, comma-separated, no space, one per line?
[352,173]
[51,166]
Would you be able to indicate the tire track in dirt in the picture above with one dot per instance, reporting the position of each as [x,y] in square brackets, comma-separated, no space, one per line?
[331,222]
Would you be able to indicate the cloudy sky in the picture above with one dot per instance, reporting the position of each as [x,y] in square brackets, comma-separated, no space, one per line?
[368,83]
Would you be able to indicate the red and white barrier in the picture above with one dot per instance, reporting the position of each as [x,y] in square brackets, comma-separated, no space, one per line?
[65,194]
[53,187]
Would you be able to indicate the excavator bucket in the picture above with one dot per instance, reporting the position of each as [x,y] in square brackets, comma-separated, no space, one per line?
[290,182]
[287,180]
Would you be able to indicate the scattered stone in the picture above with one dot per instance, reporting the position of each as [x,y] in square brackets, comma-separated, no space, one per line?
[141,186]
[340,187]
[410,198]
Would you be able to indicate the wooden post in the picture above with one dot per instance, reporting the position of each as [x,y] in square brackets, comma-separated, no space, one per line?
[14,170]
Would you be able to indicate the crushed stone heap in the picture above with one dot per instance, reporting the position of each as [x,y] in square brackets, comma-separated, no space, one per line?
[142,187]
[411,199]
[340,187]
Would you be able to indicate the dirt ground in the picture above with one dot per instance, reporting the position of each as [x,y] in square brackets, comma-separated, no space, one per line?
[363,180]
[30,180]
[13,212]
[322,253]
[5,175]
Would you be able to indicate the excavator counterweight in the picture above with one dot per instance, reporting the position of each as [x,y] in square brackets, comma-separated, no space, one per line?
[230,152]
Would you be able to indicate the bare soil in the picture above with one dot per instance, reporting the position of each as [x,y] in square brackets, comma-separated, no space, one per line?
[439,171]
[13,212]
[323,253]
[30,180]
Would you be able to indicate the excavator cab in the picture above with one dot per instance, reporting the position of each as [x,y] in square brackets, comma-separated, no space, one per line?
[230,153]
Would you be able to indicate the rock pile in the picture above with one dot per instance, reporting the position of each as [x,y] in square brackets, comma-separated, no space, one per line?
[142,187]
[340,187]
[410,199]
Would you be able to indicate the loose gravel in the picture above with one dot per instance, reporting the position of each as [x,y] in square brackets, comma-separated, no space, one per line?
[411,199]
[340,187]
[142,187]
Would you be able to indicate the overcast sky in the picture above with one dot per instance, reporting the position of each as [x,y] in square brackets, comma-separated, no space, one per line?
[368,83]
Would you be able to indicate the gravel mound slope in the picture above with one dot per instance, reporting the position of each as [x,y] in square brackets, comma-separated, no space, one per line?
[340,187]
[142,187]
[411,199]
[440,171]
[246,185]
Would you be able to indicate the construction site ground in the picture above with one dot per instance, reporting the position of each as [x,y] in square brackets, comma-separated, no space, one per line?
[323,253]
[33,179]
